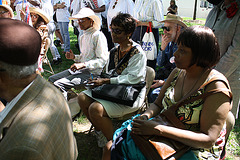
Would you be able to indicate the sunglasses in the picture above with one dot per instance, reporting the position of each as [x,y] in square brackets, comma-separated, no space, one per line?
[2,12]
[116,31]
[34,16]
[166,28]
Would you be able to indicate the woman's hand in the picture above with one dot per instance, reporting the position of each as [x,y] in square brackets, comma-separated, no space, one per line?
[99,81]
[158,83]
[144,127]
[22,15]
[142,117]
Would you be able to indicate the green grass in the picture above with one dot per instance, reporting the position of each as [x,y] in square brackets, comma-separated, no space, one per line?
[66,63]
[233,147]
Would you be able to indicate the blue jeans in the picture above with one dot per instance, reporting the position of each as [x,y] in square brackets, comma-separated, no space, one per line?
[65,35]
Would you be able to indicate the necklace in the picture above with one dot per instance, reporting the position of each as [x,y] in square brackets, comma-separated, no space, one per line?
[193,84]
[122,53]
[115,3]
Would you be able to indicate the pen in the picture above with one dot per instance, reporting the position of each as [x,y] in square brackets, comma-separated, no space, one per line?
[91,75]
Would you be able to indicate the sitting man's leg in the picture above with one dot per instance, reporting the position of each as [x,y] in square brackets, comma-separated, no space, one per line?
[65,80]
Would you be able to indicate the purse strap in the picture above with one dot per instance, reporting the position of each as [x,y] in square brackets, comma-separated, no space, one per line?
[127,55]
[170,112]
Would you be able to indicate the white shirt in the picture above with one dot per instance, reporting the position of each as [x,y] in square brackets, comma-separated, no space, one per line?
[63,14]
[11,104]
[48,8]
[149,11]
[93,50]
[123,6]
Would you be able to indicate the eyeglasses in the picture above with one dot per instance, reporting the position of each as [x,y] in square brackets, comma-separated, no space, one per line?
[167,28]
[81,20]
[116,31]
[3,12]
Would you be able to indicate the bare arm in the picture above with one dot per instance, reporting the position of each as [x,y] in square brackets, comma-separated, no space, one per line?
[156,107]
[100,9]
[213,116]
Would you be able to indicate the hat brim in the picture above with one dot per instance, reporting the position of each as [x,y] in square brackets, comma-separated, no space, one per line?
[41,13]
[175,21]
[95,18]
[7,7]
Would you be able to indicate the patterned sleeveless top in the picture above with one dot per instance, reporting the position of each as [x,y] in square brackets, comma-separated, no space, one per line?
[189,114]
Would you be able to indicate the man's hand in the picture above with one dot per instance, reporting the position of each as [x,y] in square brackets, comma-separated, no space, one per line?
[165,40]
[70,55]
[77,66]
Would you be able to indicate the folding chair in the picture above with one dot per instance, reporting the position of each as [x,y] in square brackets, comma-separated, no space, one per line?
[44,49]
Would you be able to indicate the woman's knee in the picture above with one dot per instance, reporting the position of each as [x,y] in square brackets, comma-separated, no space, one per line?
[96,110]
[82,98]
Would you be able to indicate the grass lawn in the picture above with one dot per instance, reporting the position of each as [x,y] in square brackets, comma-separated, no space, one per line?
[87,145]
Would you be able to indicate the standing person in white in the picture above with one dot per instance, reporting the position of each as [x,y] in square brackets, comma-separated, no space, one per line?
[47,6]
[146,11]
[62,14]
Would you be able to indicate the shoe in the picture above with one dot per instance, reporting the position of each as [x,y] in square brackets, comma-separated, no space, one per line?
[57,43]
[56,62]
[101,139]
[59,60]
[62,46]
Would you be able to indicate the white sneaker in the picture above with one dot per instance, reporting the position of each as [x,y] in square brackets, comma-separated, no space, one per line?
[101,139]
[62,46]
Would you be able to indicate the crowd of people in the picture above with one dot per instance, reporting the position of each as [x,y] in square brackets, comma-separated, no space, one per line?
[35,119]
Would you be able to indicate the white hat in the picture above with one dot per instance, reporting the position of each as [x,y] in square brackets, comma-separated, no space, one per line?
[174,19]
[7,7]
[87,12]
[41,13]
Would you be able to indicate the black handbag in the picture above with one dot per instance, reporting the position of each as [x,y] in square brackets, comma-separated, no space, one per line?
[119,93]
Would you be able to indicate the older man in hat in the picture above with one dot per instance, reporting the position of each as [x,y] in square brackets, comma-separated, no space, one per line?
[6,11]
[36,122]
[173,25]
[93,54]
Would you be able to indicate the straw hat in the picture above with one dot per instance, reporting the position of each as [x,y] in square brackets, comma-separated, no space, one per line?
[174,19]
[7,7]
[41,13]
[87,12]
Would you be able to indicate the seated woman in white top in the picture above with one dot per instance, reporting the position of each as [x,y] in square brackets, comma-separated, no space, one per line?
[133,71]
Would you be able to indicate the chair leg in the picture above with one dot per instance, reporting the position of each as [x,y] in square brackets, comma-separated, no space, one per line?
[91,128]
[49,64]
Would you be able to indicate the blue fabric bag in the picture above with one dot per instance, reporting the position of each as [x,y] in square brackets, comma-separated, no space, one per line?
[124,148]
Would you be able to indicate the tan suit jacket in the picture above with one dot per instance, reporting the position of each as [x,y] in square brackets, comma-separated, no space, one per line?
[39,127]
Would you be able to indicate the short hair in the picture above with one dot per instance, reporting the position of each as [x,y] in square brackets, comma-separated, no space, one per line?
[173,2]
[18,71]
[203,43]
[126,21]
